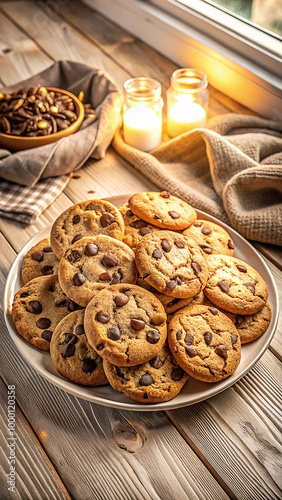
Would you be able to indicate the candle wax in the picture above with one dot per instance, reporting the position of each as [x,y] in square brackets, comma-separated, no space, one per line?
[142,128]
[185,115]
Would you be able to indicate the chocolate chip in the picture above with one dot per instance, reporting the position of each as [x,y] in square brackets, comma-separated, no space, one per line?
[25,294]
[157,217]
[62,303]
[129,213]
[145,230]
[70,338]
[117,277]
[47,249]
[109,261]
[78,279]
[196,268]
[37,255]
[77,237]
[191,351]
[208,338]
[121,300]
[103,317]
[177,374]
[76,219]
[88,365]
[35,307]
[189,338]
[221,351]
[68,350]
[107,219]
[231,244]
[239,320]
[179,244]
[166,246]
[146,379]
[178,280]
[156,362]
[178,334]
[153,337]
[91,249]
[158,319]
[197,223]
[114,333]
[100,347]
[138,224]
[206,230]
[165,194]
[171,285]
[250,287]
[213,310]
[224,286]
[47,270]
[234,339]
[90,206]
[105,276]
[173,214]
[79,329]
[47,335]
[43,323]
[137,324]
[206,249]
[157,254]
[73,256]
[241,268]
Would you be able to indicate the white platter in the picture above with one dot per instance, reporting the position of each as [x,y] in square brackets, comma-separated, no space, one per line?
[194,391]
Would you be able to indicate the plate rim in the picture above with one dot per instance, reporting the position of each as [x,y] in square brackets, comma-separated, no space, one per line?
[77,390]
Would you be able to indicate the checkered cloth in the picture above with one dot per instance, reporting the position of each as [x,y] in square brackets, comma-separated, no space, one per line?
[25,204]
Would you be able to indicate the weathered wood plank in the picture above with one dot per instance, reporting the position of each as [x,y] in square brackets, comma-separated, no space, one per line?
[35,477]
[243,422]
[20,57]
[81,440]
[276,344]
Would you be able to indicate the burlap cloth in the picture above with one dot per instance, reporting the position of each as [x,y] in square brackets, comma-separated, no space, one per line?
[231,170]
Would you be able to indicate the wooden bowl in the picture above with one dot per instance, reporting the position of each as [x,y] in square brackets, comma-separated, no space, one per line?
[18,143]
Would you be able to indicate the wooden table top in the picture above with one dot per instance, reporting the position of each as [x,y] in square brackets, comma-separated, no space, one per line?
[228,446]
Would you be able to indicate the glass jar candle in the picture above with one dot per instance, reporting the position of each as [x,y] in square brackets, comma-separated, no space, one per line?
[142,113]
[187,101]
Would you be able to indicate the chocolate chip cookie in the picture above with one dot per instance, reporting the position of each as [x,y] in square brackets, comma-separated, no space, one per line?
[205,343]
[37,309]
[172,263]
[88,218]
[155,381]
[234,285]
[126,325]
[40,260]
[92,264]
[72,355]
[251,327]
[212,238]
[162,210]
[135,228]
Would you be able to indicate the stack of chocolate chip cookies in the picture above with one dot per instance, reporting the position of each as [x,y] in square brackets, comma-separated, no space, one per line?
[141,297]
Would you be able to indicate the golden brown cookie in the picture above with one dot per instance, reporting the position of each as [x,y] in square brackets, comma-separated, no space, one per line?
[172,263]
[162,210]
[204,342]
[72,355]
[92,264]
[212,238]
[40,260]
[37,309]
[126,325]
[234,285]
[155,381]
[87,218]
[135,228]
[252,326]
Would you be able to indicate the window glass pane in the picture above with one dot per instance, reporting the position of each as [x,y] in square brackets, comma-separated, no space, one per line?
[266,14]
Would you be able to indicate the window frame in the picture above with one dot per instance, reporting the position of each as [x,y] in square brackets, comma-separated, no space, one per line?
[191,38]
